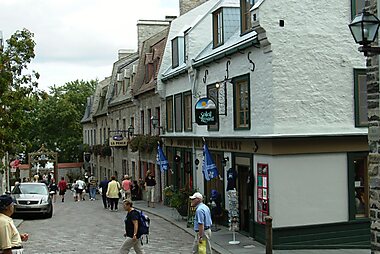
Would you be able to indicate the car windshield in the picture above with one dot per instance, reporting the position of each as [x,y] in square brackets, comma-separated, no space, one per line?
[30,189]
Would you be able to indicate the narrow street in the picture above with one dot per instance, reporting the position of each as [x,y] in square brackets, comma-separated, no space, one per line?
[86,227]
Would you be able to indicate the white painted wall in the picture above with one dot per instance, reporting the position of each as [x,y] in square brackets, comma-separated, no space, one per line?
[306,189]
[313,59]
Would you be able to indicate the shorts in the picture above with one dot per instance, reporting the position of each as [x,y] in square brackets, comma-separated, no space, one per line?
[79,191]
[62,192]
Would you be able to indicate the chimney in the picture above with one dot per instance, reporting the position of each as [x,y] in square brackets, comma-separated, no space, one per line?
[148,28]
[187,5]
[124,53]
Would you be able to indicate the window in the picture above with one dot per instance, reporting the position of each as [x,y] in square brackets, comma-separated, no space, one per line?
[124,124]
[178,112]
[142,121]
[117,124]
[358,185]
[241,102]
[169,113]
[361,107]
[217,28]
[187,111]
[178,51]
[357,7]
[246,24]
[212,93]
[158,116]
[150,121]
[175,57]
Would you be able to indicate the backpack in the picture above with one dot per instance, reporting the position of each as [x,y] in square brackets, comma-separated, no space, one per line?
[144,223]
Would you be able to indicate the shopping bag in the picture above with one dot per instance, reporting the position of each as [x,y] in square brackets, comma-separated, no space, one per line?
[202,247]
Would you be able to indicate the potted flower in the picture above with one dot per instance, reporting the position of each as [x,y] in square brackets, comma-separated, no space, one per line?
[180,201]
[168,193]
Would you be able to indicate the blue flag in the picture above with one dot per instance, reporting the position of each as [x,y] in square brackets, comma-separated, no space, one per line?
[161,159]
[208,168]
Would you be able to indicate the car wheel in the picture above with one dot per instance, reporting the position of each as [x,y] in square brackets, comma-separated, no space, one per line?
[50,213]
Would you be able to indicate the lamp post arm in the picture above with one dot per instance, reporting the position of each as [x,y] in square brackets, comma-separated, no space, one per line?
[369,50]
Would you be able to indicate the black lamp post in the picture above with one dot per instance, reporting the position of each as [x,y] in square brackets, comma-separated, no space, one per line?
[364,29]
[131,130]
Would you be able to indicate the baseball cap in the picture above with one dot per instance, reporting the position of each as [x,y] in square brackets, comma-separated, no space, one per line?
[5,200]
[196,195]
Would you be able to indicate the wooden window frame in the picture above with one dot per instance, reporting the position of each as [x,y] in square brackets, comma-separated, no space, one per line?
[354,8]
[245,16]
[178,122]
[237,82]
[218,29]
[169,116]
[175,52]
[187,111]
[357,98]
[214,127]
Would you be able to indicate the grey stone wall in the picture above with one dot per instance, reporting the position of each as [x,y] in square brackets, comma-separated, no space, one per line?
[374,155]
[148,28]
[187,5]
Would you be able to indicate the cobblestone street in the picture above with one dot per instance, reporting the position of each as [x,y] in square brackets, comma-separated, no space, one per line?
[86,227]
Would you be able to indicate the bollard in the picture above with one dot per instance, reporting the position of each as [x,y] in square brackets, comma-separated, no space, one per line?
[268,235]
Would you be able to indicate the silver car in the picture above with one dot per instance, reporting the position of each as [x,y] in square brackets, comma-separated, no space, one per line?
[32,198]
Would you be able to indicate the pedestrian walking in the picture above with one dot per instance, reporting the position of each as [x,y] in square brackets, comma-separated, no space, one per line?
[79,188]
[135,190]
[126,184]
[113,192]
[53,188]
[103,185]
[202,223]
[93,182]
[132,235]
[150,183]
[10,238]
[62,186]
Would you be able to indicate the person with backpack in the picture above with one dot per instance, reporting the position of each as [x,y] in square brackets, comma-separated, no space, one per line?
[132,232]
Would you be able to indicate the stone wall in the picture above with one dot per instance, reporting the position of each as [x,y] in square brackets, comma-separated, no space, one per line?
[374,126]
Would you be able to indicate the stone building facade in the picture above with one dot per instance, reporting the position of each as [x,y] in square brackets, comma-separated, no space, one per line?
[373,139]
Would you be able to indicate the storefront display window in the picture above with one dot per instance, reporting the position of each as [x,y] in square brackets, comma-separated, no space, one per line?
[262,192]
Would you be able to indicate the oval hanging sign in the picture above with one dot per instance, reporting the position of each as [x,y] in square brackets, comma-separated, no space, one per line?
[205,112]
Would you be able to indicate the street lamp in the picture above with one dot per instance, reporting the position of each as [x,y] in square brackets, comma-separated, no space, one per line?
[155,124]
[131,130]
[364,29]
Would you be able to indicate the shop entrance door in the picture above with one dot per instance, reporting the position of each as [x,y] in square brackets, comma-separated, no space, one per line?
[245,192]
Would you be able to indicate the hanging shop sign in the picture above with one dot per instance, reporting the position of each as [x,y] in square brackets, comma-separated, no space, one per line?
[205,112]
[118,141]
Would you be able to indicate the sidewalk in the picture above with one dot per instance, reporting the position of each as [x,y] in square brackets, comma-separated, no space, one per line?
[220,239]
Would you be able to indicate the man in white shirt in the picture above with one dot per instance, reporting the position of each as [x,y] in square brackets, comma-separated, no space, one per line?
[80,186]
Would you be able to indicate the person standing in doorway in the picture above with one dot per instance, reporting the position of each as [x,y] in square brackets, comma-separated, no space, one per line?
[131,230]
[62,186]
[150,183]
[202,223]
[127,186]
[104,186]
[10,239]
[113,193]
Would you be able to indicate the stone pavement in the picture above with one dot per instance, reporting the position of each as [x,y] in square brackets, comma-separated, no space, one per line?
[220,239]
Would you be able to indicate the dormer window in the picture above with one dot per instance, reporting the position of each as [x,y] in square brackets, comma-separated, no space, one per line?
[245,6]
[178,51]
[217,17]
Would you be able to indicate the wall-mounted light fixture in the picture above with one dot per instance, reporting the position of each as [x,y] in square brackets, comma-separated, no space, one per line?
[131,131]
[155,123]
[224,161]
[364,29]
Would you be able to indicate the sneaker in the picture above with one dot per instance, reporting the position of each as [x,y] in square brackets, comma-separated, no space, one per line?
[115,210]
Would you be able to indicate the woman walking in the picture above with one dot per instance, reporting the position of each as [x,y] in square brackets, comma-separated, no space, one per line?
[113,193]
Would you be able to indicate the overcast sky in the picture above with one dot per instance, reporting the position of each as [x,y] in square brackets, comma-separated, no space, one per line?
[79,39]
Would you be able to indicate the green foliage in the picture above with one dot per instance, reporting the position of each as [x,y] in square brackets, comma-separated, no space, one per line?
[18,89]
[144,143]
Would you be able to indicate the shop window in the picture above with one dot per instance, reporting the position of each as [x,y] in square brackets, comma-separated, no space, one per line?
[169,113]
[187,111]
[212,93]
[361,106]
[358,185]
[217,28]
[357,7]
[241,102]
[215,183]
[178,112]
[245,6]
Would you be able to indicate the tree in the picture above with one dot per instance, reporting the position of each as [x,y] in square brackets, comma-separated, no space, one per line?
[18,89]
[56,120]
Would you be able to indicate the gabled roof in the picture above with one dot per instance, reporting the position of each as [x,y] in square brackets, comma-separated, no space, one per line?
[151,54]
[100,102]
[87,114]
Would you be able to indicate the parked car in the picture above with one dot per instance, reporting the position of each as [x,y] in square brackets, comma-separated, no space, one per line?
[32,198]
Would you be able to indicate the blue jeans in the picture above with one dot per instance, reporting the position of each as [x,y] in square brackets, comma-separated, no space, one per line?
[92,192]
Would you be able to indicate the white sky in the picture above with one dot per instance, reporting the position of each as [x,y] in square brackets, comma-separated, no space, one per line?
[79,39]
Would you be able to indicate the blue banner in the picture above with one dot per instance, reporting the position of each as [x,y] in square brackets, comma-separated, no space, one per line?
[161,159]
[208,168]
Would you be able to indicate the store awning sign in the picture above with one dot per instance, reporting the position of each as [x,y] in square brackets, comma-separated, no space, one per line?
[118,141]
[205,112]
